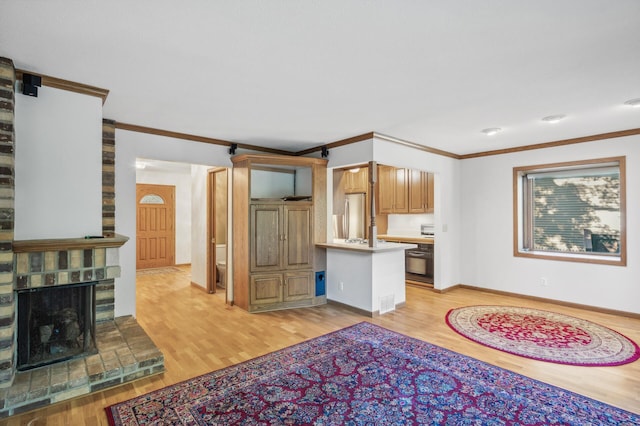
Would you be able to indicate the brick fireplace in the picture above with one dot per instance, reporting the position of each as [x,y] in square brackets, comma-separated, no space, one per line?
[122,350]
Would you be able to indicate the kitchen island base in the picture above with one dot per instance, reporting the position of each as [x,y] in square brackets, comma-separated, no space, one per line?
[371,280]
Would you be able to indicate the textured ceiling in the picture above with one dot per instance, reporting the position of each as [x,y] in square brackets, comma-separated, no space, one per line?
[293,75]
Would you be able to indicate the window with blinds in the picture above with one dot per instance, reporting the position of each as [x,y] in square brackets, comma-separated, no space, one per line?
[571,210]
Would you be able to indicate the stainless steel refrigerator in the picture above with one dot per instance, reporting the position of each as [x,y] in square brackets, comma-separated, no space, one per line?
[351,224]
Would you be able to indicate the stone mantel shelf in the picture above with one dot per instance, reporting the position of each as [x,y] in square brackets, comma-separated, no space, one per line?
[57,244]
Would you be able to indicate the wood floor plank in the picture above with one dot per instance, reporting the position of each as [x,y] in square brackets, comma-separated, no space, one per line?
[198,333]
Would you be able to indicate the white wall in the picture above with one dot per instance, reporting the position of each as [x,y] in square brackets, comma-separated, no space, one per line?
[132,145]
[182,182]
[351,154]
[487,232]
[58,165]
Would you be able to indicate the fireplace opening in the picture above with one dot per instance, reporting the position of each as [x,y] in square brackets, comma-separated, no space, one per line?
[55,324]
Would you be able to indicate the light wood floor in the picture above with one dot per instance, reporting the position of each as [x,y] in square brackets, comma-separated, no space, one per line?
[198,333]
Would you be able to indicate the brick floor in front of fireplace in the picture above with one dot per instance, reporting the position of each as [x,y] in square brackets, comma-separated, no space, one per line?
[125,353]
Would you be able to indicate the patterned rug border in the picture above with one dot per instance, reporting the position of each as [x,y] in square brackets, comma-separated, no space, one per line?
[631,359]
[390,334]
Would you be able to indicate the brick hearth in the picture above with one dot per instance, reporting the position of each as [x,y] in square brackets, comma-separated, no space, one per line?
[125,353]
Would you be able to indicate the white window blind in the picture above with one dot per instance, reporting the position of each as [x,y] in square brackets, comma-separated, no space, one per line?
[573,210]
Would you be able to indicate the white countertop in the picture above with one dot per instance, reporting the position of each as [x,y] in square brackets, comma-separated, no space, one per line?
[364,247]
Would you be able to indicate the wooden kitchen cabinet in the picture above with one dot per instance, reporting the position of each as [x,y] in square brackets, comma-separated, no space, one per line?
[356,182]
[420,192]
[274,239]
[430,199]
[393,196]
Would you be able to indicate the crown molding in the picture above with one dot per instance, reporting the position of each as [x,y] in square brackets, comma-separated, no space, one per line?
[372,135]
[417,146]
[582,139]
[341,142]
[195,138]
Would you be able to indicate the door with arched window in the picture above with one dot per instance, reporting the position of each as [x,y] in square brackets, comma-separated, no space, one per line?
[155,230]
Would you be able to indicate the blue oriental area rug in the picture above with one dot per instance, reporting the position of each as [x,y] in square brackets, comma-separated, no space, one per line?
[365,375]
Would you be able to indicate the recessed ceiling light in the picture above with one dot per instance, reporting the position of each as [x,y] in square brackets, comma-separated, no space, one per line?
[633,102]
[553,118]
[491,131]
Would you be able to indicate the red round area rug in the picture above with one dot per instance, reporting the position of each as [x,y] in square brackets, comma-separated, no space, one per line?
[543,335]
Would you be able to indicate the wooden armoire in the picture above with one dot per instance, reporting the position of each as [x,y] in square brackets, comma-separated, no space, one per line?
[279,214]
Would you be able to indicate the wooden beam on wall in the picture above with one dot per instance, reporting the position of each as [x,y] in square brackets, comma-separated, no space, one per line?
[71,86]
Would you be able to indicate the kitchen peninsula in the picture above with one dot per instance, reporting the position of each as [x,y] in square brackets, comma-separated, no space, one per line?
[370,279]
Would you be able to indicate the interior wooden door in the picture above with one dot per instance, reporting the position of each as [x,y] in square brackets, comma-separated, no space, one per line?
[155,230]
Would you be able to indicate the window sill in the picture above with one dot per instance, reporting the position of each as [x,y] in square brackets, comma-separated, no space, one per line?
[615,260]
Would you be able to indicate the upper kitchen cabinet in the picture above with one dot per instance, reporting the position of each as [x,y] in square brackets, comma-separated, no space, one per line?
[356,180]
[279,213]
[430,199]
[392,191]
[420,192]
[404,191]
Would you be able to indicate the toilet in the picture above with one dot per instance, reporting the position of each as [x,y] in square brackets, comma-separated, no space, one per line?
[221,264]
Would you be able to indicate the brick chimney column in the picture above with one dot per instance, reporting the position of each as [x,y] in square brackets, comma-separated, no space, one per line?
[108,176]
[7,139]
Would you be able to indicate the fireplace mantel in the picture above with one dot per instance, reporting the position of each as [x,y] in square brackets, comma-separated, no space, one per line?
[108,240]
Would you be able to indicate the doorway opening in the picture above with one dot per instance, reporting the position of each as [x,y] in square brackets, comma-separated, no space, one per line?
[202,197]
[217,225]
